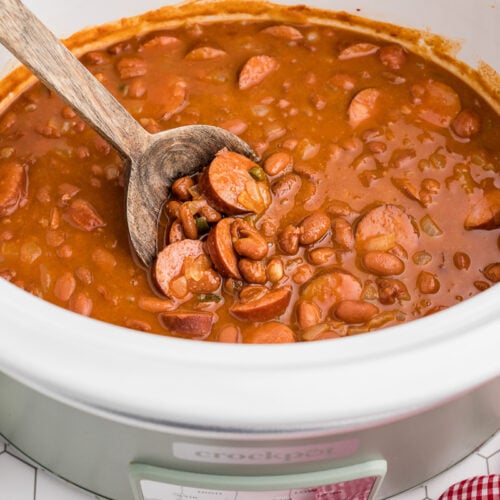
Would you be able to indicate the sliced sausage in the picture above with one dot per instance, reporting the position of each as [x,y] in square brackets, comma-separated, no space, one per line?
[358,50]
[229,187]
[330,288]
[364,105]
[435,102]
[255,70]
[196,324]
[284,32]
[13,187]
[170,261]
[220,249]
[386,222]
[485,213]
[175,99]
[82,215]
[270,333]
[268,306]
[393,56]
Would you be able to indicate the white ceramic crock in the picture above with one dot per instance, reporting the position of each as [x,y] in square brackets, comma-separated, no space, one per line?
[86,399]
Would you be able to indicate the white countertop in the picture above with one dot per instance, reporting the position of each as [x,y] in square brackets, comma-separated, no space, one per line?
[21,479]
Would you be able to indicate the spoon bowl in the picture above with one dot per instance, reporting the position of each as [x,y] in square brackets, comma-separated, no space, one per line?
[152,161]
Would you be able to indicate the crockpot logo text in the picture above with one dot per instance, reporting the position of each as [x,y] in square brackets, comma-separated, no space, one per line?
[262,456]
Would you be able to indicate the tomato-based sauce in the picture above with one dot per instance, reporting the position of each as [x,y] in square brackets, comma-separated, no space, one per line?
[376,200]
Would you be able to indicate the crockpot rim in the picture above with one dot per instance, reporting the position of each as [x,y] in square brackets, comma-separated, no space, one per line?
[415,340]
[59,382]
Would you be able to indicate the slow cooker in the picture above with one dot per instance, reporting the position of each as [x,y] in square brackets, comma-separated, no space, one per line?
[130,416]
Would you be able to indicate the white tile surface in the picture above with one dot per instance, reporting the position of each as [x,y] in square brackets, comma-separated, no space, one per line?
[19,480]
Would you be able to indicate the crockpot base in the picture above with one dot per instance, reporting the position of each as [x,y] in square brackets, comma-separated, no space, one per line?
[94,449]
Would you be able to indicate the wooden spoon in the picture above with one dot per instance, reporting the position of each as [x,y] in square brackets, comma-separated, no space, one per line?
[152,161]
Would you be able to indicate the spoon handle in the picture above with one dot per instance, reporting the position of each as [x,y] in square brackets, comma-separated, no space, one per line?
[23,34]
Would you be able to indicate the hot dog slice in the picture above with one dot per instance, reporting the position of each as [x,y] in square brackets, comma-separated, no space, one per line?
[330,288]
[170,262]
[229,187]
[485,214]
[13,187]
[196,324]
[271,304]
[220,249]
[384,226]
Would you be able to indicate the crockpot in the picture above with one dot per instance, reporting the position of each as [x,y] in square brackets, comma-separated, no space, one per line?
[130,415]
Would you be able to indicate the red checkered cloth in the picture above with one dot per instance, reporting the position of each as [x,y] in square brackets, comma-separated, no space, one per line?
[475,488]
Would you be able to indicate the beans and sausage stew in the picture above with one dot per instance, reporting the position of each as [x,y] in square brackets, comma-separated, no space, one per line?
[376,200]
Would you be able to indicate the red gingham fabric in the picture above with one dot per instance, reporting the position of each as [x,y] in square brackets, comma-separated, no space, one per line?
[475,488]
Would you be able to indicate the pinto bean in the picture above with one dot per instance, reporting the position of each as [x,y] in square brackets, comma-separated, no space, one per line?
[387,221]
[427,283]
[154,304]
[181,186]
[322,255]
[466,124]
[271,305]
[355,311]
[247,241]
[382,263]
[393,56]
[391,290]
[229,187]
[170,262]
[255,70]
[485,213]
[186,218]
[176,232]
[220,249]
[461,260]
[308,314]
[81,303]
[190,324]
[229,334]
[277,162]
[272,332]
[13,187]
[82,215]
[342,233]
[313,228]
[252,271]
[435,102]
[364,105]
[275,270]
[288,239]
[492,272]
[64,286]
